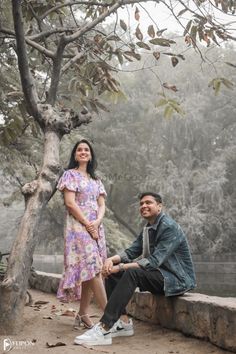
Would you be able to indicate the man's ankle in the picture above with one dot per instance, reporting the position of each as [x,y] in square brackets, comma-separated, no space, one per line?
[124,318]
[105,327]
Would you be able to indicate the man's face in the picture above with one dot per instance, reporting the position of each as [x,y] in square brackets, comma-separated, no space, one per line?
[149,208]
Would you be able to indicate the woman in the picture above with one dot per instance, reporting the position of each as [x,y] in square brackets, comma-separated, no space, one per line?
[85,247]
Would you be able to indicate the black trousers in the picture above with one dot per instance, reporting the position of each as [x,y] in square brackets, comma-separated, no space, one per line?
[121,286]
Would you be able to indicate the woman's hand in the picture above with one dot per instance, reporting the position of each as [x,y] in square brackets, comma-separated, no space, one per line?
[92,229]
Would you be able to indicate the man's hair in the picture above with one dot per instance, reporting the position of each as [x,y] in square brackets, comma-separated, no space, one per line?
[156,196]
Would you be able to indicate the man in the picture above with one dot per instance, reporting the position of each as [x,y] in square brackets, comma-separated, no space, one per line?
[165,267]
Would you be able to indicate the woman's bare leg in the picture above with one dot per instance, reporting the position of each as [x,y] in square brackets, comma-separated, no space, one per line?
[98,288]
[83,314]
[86,297]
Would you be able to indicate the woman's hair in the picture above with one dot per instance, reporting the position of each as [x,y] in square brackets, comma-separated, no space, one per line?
[92,164]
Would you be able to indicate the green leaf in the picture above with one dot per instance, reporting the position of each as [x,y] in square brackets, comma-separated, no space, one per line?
[138,33]
[143,45]
[123,25]
[229,84]
[187,28]
[102,106]
[120,57]
[168,112]
[133,54]
[161,102]
[113,38]
[161,41]
[182,12]
[193,35]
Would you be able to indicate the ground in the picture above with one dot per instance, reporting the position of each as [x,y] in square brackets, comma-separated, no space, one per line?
[48,322]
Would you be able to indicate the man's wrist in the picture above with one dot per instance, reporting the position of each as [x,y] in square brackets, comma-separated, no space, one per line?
[121,267]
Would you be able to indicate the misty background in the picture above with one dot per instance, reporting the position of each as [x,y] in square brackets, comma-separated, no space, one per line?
[189,159]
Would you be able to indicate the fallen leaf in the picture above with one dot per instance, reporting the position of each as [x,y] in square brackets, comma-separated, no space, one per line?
[41,302]
[58,344]
[68,313]
[47,317]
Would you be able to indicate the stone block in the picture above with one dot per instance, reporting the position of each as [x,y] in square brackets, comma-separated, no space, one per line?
[207,317]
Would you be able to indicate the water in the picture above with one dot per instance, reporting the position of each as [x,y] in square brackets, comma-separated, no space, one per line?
[215,276]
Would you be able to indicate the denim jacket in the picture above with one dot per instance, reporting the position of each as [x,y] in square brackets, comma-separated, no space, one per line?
[169,253]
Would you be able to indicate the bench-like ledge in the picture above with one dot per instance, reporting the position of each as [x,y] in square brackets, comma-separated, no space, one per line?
[208,317]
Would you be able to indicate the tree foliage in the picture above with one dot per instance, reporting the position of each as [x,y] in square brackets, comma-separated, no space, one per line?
[190,160]
[64,49]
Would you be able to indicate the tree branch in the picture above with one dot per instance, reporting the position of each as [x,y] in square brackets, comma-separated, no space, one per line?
[40,48]
[48,33]
[72,3]
[99,19]
[55,78]
[27,81]
[71,61]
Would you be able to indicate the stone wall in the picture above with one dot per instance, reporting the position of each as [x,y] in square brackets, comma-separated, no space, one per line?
[207,317]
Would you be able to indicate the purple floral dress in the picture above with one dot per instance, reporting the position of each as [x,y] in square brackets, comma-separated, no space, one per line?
[83,256]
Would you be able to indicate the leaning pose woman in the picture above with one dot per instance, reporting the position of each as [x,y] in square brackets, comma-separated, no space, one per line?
[84,238]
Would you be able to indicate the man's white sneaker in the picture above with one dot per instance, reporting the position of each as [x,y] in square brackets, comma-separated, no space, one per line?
[95,336]
[122,329]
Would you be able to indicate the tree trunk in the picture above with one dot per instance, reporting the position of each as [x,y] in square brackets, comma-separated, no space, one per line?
[14,286]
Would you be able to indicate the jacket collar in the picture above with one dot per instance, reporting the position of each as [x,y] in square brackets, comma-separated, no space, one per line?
[157,222]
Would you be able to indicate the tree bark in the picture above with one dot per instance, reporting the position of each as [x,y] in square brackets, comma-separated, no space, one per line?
[37,193]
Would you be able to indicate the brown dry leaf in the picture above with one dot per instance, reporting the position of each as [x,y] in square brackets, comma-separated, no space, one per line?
[170,87]
[137,14]
[47,317]
[68,313]
[157,55]
[58,344]
[41,302]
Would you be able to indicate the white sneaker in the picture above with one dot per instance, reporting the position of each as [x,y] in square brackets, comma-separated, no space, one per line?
[122,329]
[95,336]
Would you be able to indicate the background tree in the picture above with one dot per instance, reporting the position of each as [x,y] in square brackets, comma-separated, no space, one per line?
[59,42]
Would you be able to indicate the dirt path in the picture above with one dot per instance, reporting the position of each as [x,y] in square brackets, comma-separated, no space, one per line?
[39,330]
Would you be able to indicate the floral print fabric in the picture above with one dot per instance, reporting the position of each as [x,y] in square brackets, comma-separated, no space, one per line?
[83,256]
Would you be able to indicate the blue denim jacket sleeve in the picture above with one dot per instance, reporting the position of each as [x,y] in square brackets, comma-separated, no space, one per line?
[134,251]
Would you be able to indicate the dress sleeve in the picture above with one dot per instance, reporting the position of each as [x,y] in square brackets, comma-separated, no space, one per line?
[70,181]
[101,188]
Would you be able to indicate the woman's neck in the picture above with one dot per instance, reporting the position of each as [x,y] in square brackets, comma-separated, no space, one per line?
[82,168]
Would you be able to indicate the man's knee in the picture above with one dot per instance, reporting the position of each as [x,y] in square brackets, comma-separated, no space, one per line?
[132,273]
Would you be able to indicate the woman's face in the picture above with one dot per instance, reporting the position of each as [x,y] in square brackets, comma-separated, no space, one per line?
[83,153]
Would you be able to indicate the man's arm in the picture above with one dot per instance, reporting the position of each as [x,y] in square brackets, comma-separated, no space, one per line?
[111,264]
[114,265]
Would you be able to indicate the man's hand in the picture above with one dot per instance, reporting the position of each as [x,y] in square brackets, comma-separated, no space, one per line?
[107,267]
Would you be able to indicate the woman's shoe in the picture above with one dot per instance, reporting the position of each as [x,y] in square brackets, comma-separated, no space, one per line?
[83,320]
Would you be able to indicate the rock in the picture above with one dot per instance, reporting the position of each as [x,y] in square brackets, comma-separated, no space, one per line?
[208,317]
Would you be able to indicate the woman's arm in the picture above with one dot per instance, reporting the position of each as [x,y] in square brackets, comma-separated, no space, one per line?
[101,211]
[75,210]
[101,208]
